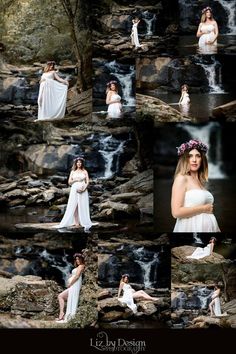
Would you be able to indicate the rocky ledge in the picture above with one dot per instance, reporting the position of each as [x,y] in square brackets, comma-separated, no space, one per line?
[179,254]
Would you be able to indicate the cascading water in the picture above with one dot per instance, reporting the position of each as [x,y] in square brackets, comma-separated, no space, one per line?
[230,8]
[204,134]
[196,238]
[110,149]
[126,80]
[150,20]
[65,270]
[204,295]
[213,74]
[146,265]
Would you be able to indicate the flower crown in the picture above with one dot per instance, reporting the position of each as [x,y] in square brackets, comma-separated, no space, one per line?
[111,82]
[191,144]
[78,255]
[51,62]
[79,158]
[125,275]
[206,8]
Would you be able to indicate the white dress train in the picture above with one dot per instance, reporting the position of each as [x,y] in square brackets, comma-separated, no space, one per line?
[127,297]
[77,200]
[52,97]
[200,252]
[203,222]
[73,296]
[216,305]
[134,36]
[114,109]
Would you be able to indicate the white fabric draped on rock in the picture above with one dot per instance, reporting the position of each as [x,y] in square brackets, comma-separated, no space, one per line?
[79,201]
[52,97]
[73,297]
[114,109]
[200,252]
[199,223]
[134,35]
[127,297]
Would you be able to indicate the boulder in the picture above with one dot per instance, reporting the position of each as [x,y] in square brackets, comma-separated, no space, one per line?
[180,254]
[226,111]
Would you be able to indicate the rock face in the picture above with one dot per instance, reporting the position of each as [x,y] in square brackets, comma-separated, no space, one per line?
[158,110]
[226,112]
[179,254]
[29,296]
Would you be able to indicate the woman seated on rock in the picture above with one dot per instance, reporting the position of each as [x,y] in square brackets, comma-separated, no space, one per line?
[129,294]
[200,252]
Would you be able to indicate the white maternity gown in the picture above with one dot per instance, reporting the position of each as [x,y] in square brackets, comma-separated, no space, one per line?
[209,36]
[52,97]
[203,222]
[73,296]
[114,109]
[127,297]
[201,252]
[134,36]
[80,200]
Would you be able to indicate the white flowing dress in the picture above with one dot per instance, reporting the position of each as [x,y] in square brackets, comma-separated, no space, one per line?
[200,252]
[134,35]
[209,36]
[203,222]
[114,109]
[185,99]
[127,297]
[77,200]
[52,97]
[73,296]
[216,305]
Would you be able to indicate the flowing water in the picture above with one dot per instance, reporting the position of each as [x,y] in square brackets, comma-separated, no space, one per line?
[150,20]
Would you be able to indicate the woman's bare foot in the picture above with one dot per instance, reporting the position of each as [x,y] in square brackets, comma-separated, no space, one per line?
[60,318]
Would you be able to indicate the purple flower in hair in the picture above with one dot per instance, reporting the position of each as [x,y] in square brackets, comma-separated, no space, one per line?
[191,144]
[206,8]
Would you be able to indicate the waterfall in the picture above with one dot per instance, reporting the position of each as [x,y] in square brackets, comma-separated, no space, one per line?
[149,19]
[185,9]
[204,295]
[213,74]
[196,238]
[146,265]
[65,270]
[204,134]
[110,150]
[126,80]
[230,9]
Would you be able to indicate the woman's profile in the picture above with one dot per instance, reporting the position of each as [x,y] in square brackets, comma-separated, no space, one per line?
[191,203]
[52,94]
[207,32]
[134,33]
[77,210]
[214,305]
[71,294]
[113,100]
[201,252]
[129,294]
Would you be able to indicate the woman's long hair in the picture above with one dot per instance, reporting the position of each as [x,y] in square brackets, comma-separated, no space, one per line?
[49,66]
[109,86]
[182,167]
[123,277]
[203,17]
[81,258]
[74,166]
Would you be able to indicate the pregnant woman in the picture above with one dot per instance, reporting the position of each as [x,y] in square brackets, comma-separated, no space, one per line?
[129,294]
[201,252]
[77,210]
[113,100]
[191,203]
[52,94]
[207,32]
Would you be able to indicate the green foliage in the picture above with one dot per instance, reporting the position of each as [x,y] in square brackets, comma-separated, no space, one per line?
[35,30]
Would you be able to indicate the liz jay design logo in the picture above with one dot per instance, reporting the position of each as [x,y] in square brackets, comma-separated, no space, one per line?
[104,344]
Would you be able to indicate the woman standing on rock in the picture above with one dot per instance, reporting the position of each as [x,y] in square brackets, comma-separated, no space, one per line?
[214,305]
[191,203]
[52,94]
[71,294]
[200,252]
[134,33]
[129,294]
[207,32]
[113,100]
[77,210]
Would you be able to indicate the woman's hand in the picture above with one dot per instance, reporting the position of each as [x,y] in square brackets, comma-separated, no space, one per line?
[208,208]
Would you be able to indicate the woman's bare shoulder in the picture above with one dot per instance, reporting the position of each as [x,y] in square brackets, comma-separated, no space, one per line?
[181,178]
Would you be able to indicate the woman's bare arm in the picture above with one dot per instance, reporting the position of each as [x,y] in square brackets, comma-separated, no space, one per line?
[58,78]
[177,201]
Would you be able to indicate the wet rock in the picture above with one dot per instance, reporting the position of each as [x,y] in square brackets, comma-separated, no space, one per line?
[5,187]
[226,111]
[143,183]
[16,193]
